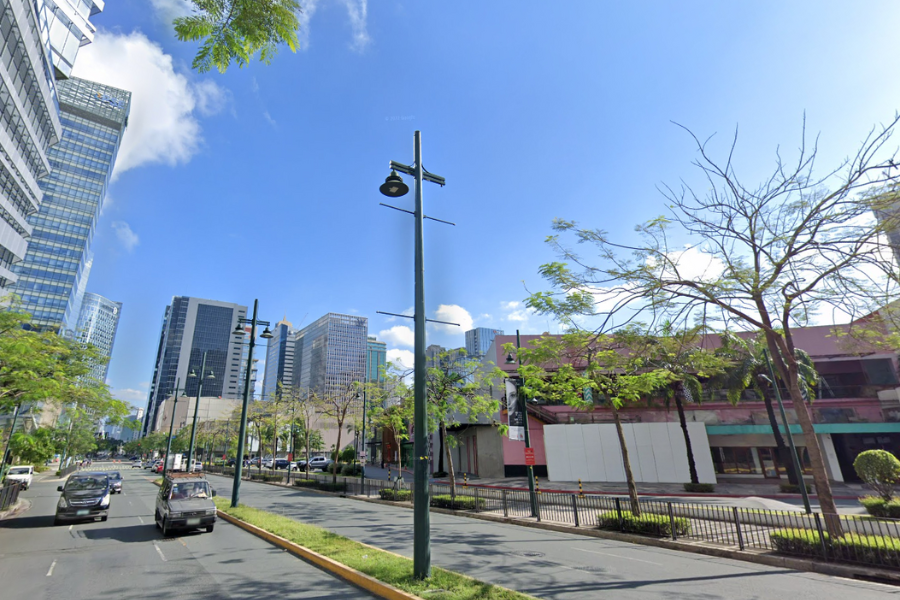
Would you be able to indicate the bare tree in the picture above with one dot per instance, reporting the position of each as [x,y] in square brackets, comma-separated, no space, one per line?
[763,257]
[338,400]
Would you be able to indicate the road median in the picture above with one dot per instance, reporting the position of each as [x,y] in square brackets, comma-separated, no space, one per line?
[384,573]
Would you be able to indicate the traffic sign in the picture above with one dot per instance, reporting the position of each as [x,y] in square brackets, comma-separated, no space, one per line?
[529,457]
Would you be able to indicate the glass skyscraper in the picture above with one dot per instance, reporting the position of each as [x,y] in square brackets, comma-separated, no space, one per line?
[192,326]
[279,359]
[98,322]
[331,352]
[56,267]
[376,359]
[68,28]
[478,341]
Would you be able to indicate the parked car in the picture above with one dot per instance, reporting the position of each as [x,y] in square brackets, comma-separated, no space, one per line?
[185,502]
[300,465]
[138,464]
[84,496]
[157,467]
[197,466]
[282,463]
[23,474]
[149,464]
[115,482]
[319,462]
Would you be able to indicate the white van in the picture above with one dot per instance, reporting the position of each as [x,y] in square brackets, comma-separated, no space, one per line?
[21,473]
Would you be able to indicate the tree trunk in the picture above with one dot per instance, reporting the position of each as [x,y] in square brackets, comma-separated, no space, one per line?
[307,450]
[629,477]
[450,472]
[687,438]
[784,453]
[787,367]
[441,453]
[337,455]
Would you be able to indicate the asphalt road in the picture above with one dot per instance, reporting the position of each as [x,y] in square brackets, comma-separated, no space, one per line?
[127,558]
[554,565]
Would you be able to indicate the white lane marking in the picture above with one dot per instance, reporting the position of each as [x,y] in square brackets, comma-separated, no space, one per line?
[159,551]
[50,570]
[141,520]
[649,562]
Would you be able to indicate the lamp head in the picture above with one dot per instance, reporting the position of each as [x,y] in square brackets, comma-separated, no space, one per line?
[238,330]
[266,334]
[210,375]
[192,374]
[510,359]
[393,186]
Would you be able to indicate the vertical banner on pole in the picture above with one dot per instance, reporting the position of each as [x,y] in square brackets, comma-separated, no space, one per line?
[516,416]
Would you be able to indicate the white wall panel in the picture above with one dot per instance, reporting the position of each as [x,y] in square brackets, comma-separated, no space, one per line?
[593,451]
[612,456]
[631,444]
[662,450]
[577,453]
[643,451]
[556,451]
[681,472]
[706,471]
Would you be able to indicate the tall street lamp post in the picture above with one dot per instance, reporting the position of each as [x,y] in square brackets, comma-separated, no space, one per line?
[172,426]
[394,187]
[193,374]
[239,460]
[522,406]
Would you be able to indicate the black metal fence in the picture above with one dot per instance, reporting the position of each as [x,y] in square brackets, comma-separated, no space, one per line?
[9,494]
[846,538]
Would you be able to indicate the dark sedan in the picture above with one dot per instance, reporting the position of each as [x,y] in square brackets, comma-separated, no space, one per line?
[84,496]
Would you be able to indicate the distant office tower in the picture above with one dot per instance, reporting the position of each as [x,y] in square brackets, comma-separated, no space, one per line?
[376,359]
[55,271]
[192,326]
[279,359]
[478,340]
[331,352]
[245,355]
[97,325]
[35,37]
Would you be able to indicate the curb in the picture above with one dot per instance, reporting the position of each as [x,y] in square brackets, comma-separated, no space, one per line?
[21,505]
[380,589]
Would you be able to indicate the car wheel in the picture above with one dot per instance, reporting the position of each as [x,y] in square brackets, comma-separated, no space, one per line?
[165,527]
[156,519]
[209,528]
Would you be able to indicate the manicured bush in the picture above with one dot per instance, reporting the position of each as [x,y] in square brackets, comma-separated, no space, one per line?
[646,524]
[701,488]
[875,550]
[352,470]
[305,482]
[456,503]
[792,488]
[335,468]
[395,495]
[880,469]
[879,507]
[264,477]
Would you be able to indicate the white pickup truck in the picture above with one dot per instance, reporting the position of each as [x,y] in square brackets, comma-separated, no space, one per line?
[21,473]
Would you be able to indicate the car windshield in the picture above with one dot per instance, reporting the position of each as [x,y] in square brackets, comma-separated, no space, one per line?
[190,489]
[115,475]
[19,471]
[86,483]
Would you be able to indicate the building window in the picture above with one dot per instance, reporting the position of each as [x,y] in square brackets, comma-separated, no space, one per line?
[735,461]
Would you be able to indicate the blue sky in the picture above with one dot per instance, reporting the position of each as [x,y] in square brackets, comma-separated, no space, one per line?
[263,182]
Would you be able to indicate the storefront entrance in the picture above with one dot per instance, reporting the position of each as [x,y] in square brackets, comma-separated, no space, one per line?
[849,445]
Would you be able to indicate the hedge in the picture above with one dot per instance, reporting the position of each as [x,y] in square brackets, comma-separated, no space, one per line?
[351,470]
[456,503]
[703,488]
[879,507]
[305,482]
[395,495]
[326,486]
[875,550]
[646,524]
[265,477]
[792,488]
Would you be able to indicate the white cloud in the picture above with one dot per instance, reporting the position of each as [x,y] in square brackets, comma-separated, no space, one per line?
[692,263]
[130,395]
[171,9]
[516,311]
[400,335]
[305,15]
[163,126]
[357,11]
[409,312]
[125,235]
[269,118]
[452,313]
[401,358]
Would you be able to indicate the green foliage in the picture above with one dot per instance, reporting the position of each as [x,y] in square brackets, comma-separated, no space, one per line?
[456,502]
[34,448]
[868,549]
[265,477]
[351,470]
[237,30]
[396,495]
[305,482]
[880,469]
[879,507]
[348,454]
[645,524]
[700,488]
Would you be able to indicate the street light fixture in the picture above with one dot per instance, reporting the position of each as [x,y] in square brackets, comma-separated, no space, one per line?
[193,375]
[394,187]
[239,462]
[523,408]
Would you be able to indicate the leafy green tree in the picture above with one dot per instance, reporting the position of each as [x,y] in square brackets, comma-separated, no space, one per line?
[760,257]
[238,30]
[36,447]
[560,369]
[458,387]
[880,469]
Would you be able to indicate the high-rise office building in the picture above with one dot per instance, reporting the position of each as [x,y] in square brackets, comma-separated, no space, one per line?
[39,40]
[279,358]
[376,359]
[98,322]
[192,326]
[53,275]
[331,352]
[478,340]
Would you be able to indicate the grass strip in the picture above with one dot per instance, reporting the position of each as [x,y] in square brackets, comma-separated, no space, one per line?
[384,566]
